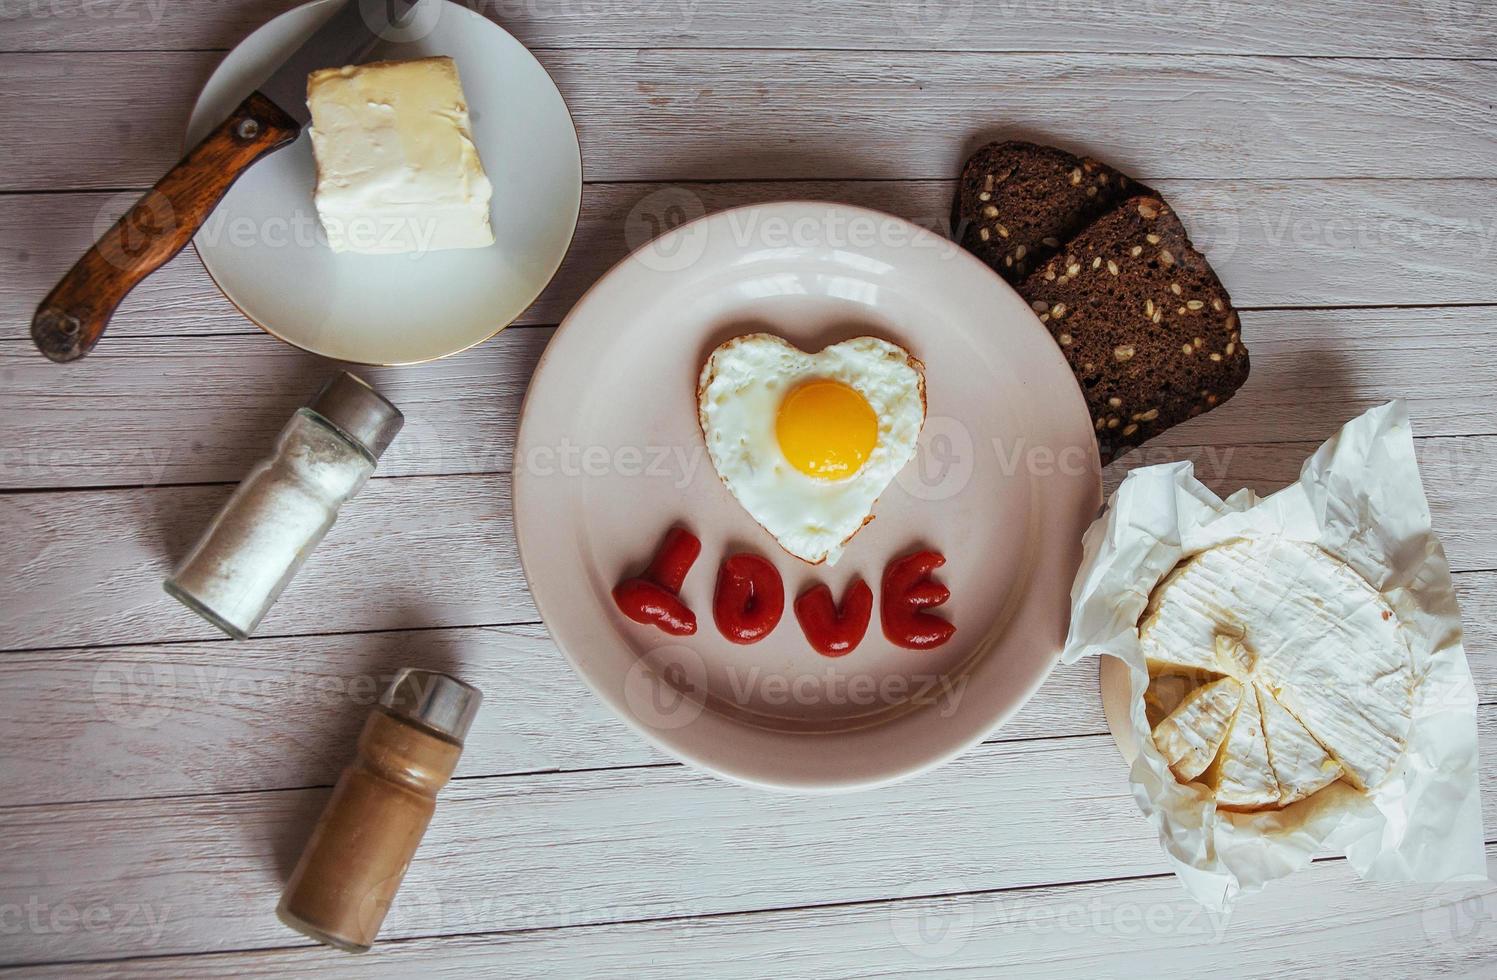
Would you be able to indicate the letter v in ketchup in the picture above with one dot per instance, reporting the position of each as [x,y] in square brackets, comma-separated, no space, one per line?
[833,633]
[908,589]
[652,598]
[749,600]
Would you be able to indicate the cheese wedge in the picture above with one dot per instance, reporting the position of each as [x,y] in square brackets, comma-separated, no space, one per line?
[1242,776]
[1366,733]
[397,169]
[1301,765]
[1191,736]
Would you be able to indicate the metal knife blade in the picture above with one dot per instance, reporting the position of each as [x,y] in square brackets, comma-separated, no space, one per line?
[346,39]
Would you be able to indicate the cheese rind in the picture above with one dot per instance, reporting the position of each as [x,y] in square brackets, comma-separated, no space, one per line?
[397,168]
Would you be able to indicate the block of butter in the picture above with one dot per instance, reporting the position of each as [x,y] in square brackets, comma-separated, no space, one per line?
[397,170]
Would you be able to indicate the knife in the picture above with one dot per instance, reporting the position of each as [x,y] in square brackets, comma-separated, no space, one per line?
[69,322]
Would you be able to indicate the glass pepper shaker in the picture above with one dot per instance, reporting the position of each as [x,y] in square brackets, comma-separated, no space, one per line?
[279,513]
[368,832]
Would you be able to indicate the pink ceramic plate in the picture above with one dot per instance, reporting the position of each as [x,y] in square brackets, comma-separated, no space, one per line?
[610,456]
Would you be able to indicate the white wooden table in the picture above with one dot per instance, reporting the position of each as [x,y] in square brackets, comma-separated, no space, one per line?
[1337,158]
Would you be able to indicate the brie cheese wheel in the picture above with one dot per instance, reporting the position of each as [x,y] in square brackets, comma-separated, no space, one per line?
[397,170]
[1317,649]
[1191,736]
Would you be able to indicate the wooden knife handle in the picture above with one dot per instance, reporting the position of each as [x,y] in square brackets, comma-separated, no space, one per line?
[73,316]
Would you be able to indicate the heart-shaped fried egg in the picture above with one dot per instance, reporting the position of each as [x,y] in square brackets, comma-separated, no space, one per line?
[808,442]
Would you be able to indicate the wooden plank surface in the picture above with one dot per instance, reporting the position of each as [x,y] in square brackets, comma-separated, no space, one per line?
[1384,28]
[200,409]
[204,873]
[1335,159]
[1323,921]
[1275,243]
[123,722]
[440,551]
[414,552]
[114,119]
[93,724]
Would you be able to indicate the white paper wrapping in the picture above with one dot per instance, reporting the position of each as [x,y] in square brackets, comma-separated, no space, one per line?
[1360,498]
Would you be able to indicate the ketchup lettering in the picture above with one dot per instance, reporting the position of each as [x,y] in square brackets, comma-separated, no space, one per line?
[749,600]
[652,598]
[908,589]
[833,633]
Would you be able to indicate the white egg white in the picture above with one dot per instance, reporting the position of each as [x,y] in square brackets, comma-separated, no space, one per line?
[738,400]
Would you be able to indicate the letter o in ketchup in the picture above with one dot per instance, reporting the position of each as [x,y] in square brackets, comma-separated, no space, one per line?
[749,600]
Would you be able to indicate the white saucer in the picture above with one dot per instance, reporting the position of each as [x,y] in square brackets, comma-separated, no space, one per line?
[266,250]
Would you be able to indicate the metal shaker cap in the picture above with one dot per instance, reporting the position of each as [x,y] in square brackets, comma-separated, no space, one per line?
[363,414]
[435,700]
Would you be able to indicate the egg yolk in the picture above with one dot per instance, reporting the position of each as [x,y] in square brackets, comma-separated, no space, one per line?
[826,429]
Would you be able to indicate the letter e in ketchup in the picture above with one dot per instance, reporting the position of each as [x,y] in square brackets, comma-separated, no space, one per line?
[909,589]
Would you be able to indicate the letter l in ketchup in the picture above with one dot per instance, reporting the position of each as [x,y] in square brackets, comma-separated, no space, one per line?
[908,589]
[652,599]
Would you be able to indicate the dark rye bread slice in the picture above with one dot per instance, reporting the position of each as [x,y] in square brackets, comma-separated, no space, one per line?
[1144,322]
[1018,203]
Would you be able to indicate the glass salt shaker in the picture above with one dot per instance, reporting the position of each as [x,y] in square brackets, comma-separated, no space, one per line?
[285,505]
